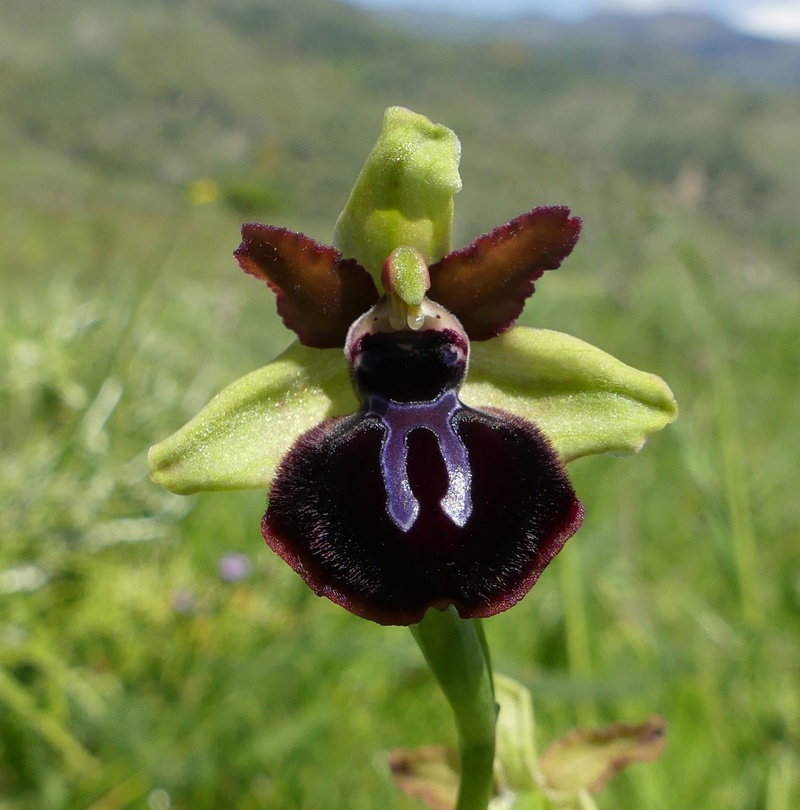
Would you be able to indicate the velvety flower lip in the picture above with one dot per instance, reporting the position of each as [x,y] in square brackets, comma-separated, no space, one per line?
[345,544]
[417,500]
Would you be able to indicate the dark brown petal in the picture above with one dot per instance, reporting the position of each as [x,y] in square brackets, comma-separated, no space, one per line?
[328,518]
[486,283]
[319,293]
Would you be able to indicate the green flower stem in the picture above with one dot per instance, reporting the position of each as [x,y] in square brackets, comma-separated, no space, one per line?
[457,653]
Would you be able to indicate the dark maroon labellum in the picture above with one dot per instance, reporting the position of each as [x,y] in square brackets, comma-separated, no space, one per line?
[418,500]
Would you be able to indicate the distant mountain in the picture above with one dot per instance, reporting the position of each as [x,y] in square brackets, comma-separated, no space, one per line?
[128,91]
[623,38]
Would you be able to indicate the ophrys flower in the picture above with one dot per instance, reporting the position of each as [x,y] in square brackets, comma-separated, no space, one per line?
[394,484]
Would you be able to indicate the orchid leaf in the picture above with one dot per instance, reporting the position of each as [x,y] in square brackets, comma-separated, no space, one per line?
[239,438]
[586,759]
[429,774]
[584,400]
[404,194]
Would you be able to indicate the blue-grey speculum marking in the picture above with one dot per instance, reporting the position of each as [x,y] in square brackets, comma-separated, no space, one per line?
[400,419]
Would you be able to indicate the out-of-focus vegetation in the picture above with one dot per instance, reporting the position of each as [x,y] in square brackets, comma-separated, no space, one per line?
[135,138]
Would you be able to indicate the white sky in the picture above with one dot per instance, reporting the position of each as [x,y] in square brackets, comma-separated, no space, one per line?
[772,18]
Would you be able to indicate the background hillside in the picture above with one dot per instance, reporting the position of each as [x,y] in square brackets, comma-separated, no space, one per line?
[135,138]
[676,37]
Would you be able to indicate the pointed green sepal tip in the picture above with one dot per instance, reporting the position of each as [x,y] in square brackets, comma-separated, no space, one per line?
[240,437]
[404,194]
[584,400]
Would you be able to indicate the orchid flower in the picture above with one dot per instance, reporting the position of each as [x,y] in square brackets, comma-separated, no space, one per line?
[413,440]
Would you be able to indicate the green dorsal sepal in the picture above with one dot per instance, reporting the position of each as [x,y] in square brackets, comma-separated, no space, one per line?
[404,194]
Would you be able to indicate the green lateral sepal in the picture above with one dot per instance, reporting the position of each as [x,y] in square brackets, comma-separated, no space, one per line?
[584,400]
[239,438]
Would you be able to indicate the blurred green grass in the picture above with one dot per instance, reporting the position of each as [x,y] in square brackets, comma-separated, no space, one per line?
[131,675]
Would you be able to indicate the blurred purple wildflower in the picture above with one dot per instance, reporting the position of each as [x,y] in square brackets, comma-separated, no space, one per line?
[233,566]
[183,602]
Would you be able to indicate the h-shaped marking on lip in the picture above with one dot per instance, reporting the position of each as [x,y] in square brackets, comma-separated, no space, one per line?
[399,419]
